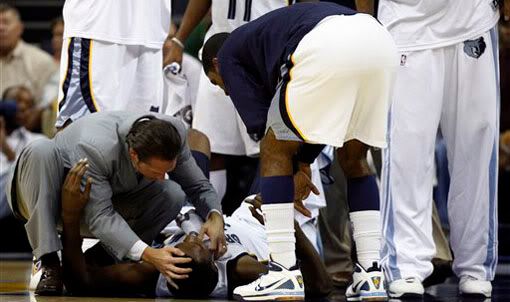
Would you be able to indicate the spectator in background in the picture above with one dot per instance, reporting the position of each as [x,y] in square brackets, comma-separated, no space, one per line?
[21,63]
[17,104]
[57,37]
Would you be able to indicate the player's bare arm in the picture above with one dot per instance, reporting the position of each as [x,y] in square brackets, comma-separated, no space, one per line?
[195,12]
[366,6]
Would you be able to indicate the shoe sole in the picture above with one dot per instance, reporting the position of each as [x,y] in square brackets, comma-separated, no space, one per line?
[475,295]
[269,298]
[368,298]
[48,292]
[406,296]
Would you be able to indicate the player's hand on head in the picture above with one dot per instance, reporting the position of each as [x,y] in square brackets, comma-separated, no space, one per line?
[214,229]
[167,261]
[256,208]
[303,186]
[74,199]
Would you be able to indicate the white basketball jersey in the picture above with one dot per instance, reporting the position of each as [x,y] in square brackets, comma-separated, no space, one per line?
[228,15]
[425,24]
[129,22]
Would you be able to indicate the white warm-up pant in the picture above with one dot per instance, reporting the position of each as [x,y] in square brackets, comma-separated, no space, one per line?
[215,115]
[456,89]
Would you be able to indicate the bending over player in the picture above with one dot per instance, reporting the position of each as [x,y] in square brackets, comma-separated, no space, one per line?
[197,275]
[322,78]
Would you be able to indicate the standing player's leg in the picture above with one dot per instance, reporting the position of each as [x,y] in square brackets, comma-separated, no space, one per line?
[363,200]
[283,280]
[470,125]
[142,79]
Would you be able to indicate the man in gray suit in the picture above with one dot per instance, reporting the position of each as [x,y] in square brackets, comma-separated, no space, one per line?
[128,155]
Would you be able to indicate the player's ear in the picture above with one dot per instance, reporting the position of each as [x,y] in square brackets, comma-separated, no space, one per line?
[133,155]
[216,65]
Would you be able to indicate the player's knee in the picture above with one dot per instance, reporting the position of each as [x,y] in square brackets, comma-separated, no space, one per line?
[355,167]
[273,149]
[198,141]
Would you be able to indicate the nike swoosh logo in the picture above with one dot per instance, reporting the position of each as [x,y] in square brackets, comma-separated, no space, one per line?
[261,288]
[354,288]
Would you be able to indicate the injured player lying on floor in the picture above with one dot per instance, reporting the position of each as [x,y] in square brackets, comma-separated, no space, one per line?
[87,274]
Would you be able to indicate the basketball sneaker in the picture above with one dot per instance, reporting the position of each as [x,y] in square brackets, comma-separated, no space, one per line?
[46,280]
[367,285]
[278,284]
[471,286]
[406,288]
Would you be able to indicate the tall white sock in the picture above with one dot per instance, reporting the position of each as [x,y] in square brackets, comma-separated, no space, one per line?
[366,232]
[279,221]
[218,180]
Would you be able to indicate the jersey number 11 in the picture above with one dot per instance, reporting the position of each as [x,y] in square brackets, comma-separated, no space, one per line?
[232,10]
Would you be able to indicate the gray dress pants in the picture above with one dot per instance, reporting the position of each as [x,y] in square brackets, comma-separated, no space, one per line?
[34,190]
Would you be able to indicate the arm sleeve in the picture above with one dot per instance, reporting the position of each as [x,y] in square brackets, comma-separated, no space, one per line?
[99,215]
[247,94]
[193,182]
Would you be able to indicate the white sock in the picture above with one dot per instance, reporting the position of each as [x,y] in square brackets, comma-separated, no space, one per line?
[366,232]
[218,180]
[279,221]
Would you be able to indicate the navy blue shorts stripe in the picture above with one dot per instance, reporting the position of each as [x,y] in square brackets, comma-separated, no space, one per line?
[86,90]
[69,71]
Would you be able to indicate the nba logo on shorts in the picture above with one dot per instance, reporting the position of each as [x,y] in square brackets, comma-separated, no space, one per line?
[403,60]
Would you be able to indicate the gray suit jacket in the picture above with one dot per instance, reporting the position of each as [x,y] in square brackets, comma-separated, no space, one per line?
[100,137]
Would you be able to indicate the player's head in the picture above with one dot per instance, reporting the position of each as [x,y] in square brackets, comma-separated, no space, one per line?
[210,58]
[204,275]
[153,146]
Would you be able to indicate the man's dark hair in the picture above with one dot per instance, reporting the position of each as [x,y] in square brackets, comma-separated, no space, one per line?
[152,137]
[211,48]
[200,282]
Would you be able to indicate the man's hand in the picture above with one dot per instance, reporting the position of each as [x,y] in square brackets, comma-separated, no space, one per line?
[256,208]
[303,185]
[174,55]
[73,199]
[166,260]
[213,228]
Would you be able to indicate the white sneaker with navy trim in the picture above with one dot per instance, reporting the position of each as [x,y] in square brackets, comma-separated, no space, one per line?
[278,284]
[367,285]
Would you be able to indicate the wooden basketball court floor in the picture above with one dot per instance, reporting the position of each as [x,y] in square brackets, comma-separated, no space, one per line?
[14,276]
